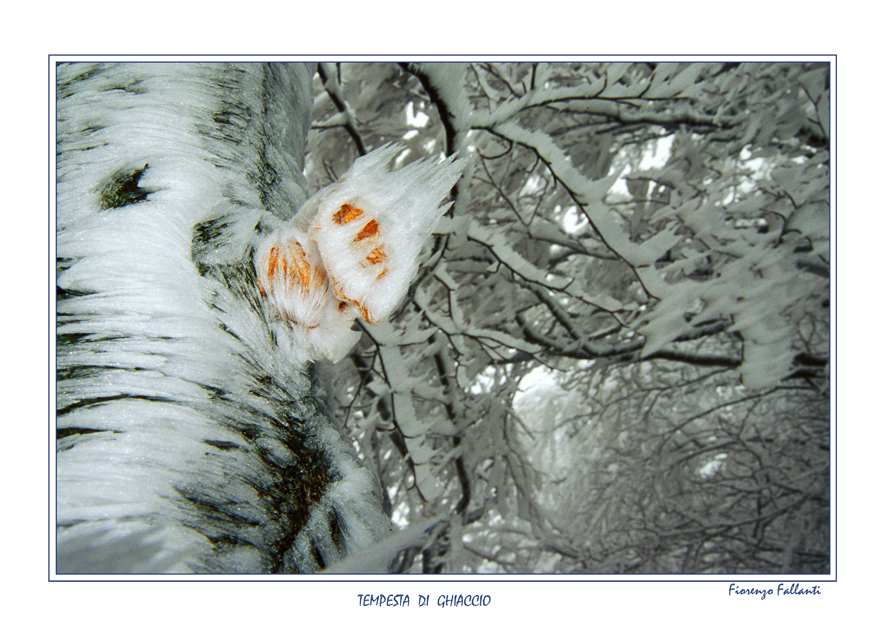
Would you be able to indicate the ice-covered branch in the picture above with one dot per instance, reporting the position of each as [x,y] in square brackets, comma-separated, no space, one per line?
[588,196]
[345,116]
[607,98]
[443,85]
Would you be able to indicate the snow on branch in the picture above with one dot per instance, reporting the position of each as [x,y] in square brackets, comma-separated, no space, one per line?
[607,98]
[491,340]
[345,116]
[588,195]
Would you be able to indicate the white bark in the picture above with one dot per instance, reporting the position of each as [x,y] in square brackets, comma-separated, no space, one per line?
[189,437]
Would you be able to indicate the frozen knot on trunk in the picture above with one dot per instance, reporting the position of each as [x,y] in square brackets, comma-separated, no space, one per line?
[353,249]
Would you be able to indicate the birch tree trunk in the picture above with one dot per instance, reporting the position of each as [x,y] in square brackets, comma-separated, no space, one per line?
[189,438]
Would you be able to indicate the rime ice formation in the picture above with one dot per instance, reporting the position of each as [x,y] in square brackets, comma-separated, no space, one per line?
[188,436]
[353,248]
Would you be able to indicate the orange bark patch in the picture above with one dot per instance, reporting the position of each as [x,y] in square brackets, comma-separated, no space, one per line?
[376,256]
[345,214]
[369,230]
[272,262]
[290,262]
[363,310]
[365,313]
[299,270]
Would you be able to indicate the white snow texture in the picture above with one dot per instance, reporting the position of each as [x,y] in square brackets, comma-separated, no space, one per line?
[188,435]
[353,249]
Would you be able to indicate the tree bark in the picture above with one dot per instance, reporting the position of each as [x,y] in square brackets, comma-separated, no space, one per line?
[189,438]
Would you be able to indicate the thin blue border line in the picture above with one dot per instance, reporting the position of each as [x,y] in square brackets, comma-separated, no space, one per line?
[834,189]
[396,578]
[468,55]
[50,253]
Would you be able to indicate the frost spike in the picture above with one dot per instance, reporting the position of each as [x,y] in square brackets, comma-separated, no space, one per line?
[372,257]
[364,235]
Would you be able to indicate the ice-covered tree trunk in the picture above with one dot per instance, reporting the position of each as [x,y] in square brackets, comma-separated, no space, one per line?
[189,437]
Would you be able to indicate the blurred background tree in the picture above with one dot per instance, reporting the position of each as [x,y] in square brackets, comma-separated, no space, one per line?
[616,357]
